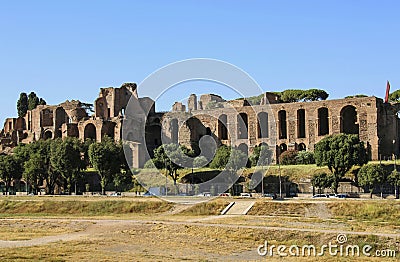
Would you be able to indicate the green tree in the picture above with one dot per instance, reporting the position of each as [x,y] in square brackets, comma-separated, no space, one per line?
[105,158]
[394,179]
[395,96]
[371,176]
[172,157]
[261,156]
[22,104]
[33,171]
[322,181]
[315,95]
[66,160]
[42,102]
[200,161]
[236,161]
[36,162]
[305,158]
[221,157]
[292,95]
[33,101]
[10,170]
[340,153]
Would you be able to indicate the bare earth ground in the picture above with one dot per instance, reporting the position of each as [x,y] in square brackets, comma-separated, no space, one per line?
[171,236]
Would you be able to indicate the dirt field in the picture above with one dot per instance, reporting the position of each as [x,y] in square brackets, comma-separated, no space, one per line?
[187,233]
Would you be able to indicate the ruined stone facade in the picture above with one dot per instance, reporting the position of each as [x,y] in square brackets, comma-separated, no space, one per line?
[283,126]
[297,126]
[71,119]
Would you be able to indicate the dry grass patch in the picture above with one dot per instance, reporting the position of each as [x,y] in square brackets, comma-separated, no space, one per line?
[106,207]
[213,207]
[162,242]
[29,229]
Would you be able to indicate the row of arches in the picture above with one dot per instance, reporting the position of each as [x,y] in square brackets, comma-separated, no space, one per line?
[283,147]
[222,126]
[243,126]
[348,122]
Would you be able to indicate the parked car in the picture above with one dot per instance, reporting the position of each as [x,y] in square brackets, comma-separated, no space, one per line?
[245,195]
[320,196]
[116,194]
[204,194]
[224,195]
[338,196]
[270,196]
[342,196]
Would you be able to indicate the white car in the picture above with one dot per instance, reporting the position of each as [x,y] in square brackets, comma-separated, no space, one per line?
[245,195]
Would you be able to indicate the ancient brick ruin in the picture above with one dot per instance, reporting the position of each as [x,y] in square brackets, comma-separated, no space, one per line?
[281,125]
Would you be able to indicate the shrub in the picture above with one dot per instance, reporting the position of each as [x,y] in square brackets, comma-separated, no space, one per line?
[305,158]
[221,157]
[261,156]
[288,157]
[200,161]
[149,164]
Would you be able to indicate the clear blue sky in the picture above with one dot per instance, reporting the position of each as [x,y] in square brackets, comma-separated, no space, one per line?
[69,49]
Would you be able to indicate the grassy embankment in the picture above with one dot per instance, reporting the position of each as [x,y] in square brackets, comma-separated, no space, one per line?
[80,207]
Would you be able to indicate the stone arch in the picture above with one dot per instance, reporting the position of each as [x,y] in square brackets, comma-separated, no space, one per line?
[262,125]
[301,123]
[108,129]
[244,148]
[174,130]
[197,131]
[348,120]
[301,147]
[323,121]
[222,127]
[282,148]
[48,134]
[242,126]
[282,117]
[153,138]
[90,132]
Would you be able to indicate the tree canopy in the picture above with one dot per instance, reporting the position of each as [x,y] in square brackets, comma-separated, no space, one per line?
[22,105]
[340,153]
[261,156]
[322,181]
[172,157]
[296,95]
[65,157]
[371,176]
[221,157]
[105,158]
[395,96]
[34,101]
[9,170]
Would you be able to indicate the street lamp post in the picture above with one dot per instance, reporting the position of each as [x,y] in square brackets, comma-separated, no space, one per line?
[280,181]
[395,168]
[262,181]
[166,177]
